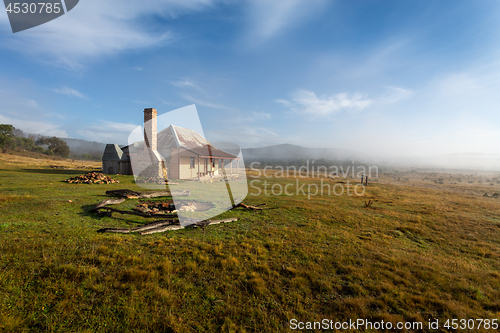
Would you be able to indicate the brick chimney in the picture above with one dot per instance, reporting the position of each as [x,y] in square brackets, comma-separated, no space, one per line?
[150,128]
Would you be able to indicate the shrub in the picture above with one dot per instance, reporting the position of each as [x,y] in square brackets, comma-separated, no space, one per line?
[38,149]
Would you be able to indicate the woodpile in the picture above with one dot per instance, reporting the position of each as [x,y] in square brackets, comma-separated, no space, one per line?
[92,178]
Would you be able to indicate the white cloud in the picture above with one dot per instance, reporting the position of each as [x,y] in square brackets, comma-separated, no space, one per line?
[308,102]
[26,113]
[11,100]
[261,115]
[270,18]
[452,113]
[96,28]
[186,83]
[108,132]
[248,117]
[140,102]
[70,92]
[246,136]
[395,95]
[206,103]
[286,103]
[35,126]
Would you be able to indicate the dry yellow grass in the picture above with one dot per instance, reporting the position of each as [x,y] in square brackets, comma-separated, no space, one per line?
[422,250]
[14,197]
[43,161]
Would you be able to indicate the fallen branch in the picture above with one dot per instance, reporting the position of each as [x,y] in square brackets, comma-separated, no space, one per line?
[157,226]
[154,225]
[115,230]
[232,219]
[252,207]
[122,193]
[129,194]
[155,194]
[162,229]
[105,203]
[165,225]
[136,213]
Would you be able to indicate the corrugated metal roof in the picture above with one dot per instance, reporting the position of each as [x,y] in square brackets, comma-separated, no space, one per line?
[179,137]
[187,138]
[212,152]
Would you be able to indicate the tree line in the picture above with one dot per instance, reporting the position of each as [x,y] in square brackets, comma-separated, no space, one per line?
[12,138]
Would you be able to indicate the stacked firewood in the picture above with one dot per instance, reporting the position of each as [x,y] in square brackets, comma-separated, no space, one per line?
[92,178]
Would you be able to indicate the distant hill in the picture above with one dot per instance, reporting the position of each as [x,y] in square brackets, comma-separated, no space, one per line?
[287,152]
[82,147]
[471,161]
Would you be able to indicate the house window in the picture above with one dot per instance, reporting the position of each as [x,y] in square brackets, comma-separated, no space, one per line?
[191,162]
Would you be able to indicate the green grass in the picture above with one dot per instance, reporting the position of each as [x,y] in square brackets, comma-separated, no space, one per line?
[415,254]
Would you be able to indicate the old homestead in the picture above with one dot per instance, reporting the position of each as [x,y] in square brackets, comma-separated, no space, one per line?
[176,152]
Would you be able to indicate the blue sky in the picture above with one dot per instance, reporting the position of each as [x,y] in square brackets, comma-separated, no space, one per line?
[379,77]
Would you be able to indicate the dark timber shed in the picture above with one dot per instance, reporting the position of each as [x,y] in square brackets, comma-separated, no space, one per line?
[114,161]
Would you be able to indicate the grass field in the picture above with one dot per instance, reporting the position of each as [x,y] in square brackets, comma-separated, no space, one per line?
[426,248]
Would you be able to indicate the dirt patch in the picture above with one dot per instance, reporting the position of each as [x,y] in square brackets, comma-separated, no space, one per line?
[155,207]
[198,206]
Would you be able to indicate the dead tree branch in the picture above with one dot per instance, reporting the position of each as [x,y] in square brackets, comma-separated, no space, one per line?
[105,203]
[253,207]
[165,225]
[129,194]
[136,213]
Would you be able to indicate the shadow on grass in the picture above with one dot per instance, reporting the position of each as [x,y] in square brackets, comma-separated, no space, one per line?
[87,211]
[57,171]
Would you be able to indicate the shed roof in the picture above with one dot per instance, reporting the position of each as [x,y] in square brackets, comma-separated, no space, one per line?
[112,152]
